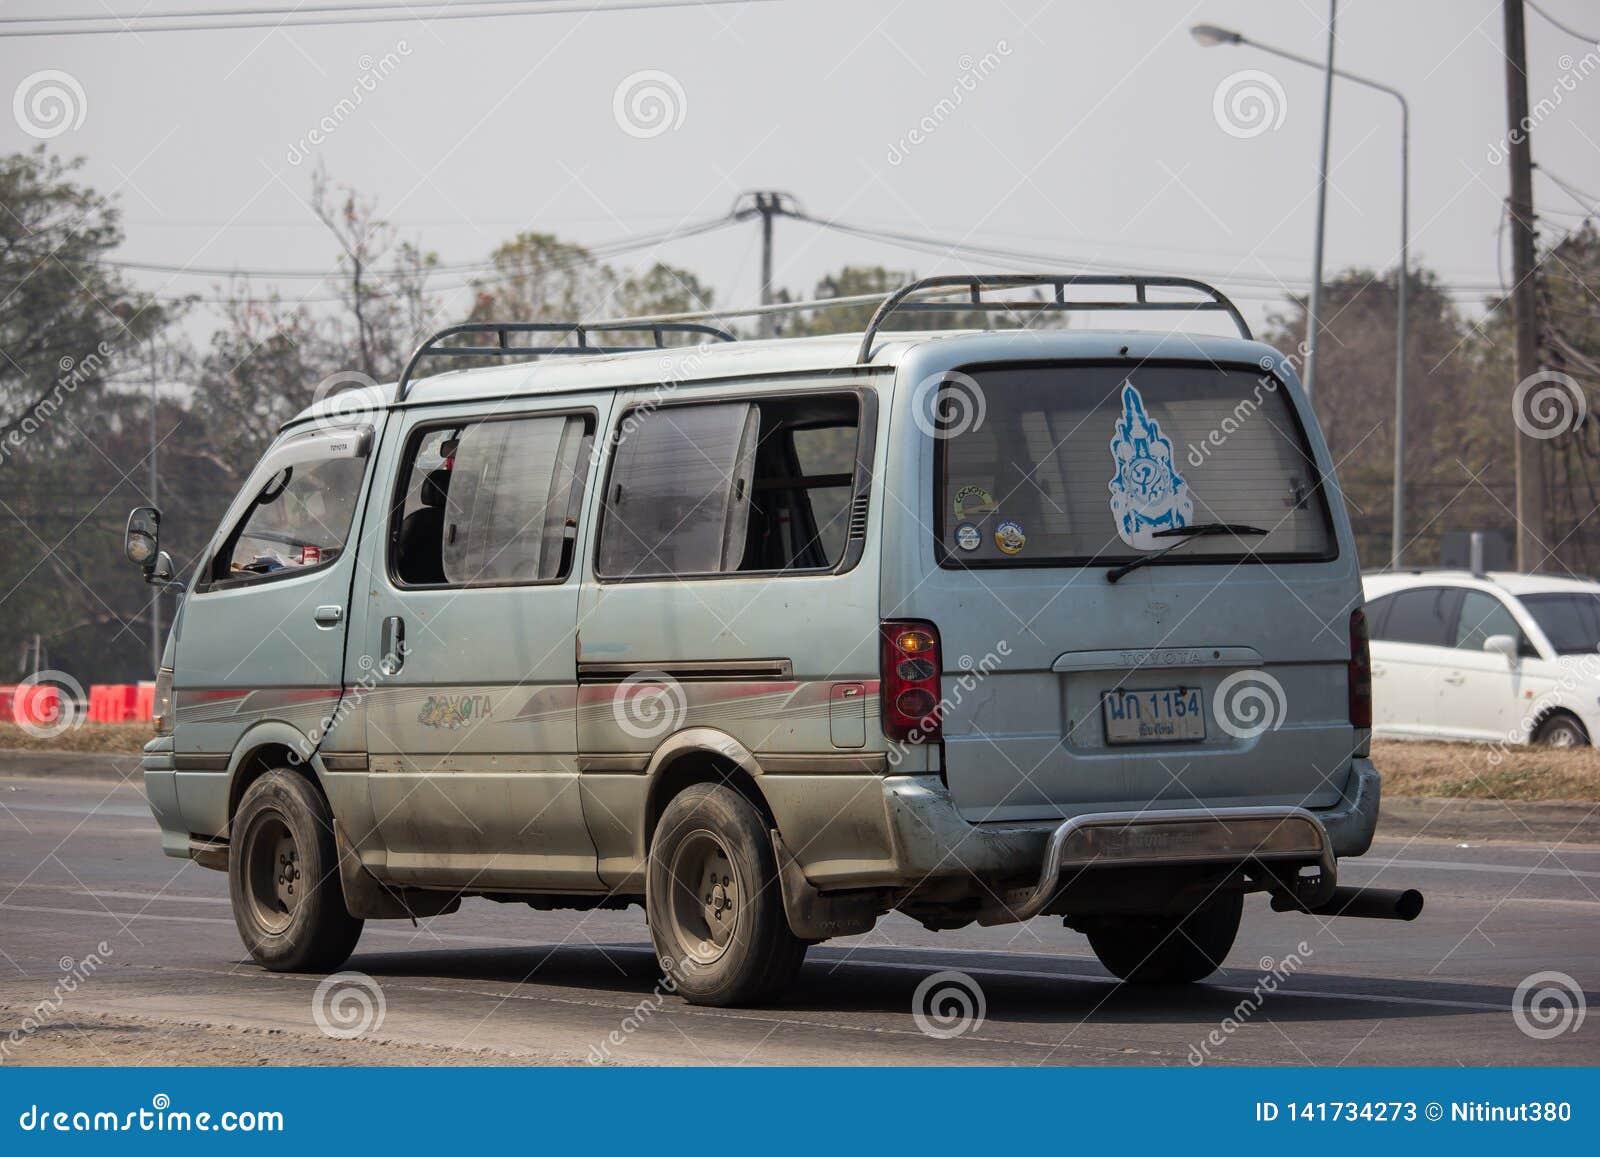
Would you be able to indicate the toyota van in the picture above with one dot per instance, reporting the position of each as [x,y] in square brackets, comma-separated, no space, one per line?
[774,637]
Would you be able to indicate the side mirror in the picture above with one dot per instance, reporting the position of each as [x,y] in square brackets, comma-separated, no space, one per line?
[1502,645]
[142,541]
[159,571]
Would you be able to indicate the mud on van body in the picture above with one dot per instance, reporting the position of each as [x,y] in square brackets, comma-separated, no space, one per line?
[776,637]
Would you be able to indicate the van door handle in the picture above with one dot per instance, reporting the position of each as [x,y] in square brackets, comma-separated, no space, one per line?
[392,645]
[329,616]
[1378,669]
[1455,677]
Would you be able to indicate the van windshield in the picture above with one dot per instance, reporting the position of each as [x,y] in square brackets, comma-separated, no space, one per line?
[1098,465]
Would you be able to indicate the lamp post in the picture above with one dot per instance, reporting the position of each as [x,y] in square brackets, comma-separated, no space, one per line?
[1210,35]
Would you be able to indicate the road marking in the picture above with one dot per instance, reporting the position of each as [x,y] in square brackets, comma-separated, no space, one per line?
[1019,973]
[413,935]
[126,811]
[1458,866]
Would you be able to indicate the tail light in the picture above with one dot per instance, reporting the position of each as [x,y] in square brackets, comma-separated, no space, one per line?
[909,681]
[1360,671]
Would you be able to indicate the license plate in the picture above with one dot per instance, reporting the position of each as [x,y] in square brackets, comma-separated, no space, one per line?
[1158,715]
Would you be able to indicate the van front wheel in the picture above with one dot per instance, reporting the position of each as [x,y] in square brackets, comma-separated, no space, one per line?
[714,901]
[283,878]
[1169,950]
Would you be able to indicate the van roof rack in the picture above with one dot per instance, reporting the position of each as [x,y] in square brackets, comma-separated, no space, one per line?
[900,301]
[503,347]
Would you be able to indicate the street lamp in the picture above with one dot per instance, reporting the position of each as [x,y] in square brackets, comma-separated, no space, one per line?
[1211,36]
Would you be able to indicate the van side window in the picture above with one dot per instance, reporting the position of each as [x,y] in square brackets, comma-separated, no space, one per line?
[726,487]
[299,520]
[492,502]
[1424,616]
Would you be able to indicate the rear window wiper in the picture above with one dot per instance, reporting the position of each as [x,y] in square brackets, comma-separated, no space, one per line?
[1183,534]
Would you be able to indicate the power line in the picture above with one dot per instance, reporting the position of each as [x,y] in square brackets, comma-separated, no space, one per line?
[944,247]
[343,14]
[1587,200]
[591,256]
[606,248]
[1567,28]
[296,10]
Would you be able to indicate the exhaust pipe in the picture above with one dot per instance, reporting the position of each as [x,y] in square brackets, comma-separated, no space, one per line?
[1369,903]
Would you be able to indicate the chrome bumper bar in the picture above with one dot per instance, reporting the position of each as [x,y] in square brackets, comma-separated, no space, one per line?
[1178,836]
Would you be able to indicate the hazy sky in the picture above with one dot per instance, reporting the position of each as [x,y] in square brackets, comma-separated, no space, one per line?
[1083,130]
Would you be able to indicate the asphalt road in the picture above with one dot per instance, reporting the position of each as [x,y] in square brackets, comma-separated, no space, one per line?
[501,984]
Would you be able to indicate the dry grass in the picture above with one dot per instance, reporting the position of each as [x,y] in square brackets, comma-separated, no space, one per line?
[114,737]
[1482,771]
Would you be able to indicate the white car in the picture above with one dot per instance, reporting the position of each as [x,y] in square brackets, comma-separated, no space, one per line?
[1498,657]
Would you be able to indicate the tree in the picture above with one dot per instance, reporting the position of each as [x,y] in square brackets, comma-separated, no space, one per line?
[1456,454]
[71,329]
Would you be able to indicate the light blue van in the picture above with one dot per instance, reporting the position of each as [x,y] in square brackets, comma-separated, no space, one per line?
[775,637]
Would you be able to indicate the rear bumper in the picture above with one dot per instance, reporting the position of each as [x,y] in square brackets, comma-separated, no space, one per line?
[924,839]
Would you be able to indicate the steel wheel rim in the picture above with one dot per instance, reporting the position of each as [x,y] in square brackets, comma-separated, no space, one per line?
[706,898]
[274,882]
[1563,737]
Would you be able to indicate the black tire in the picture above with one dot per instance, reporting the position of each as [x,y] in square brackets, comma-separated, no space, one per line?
[1561,731]
[283,878]
[714,903]
[1170,950]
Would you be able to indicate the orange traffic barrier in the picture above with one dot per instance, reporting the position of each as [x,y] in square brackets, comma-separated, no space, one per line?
[36,705]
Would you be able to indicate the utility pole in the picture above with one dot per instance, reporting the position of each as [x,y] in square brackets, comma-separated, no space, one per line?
[1314,313]
[765,205]
[1524,301]
[155,479]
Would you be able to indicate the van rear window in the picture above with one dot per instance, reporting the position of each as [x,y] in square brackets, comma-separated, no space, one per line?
[1079,465]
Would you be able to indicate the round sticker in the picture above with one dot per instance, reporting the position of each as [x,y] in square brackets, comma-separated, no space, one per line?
[968,537]
[974,500]
[1008,537]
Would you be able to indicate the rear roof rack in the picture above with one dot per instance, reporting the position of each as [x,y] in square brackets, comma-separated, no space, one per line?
[975,283]
[503,347]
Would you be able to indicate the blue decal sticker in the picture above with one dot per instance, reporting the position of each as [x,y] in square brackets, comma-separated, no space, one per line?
[1147,493]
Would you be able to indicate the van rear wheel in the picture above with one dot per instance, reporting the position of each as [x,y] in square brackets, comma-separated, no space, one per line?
[714,901]
[1173,949]
[283,878]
